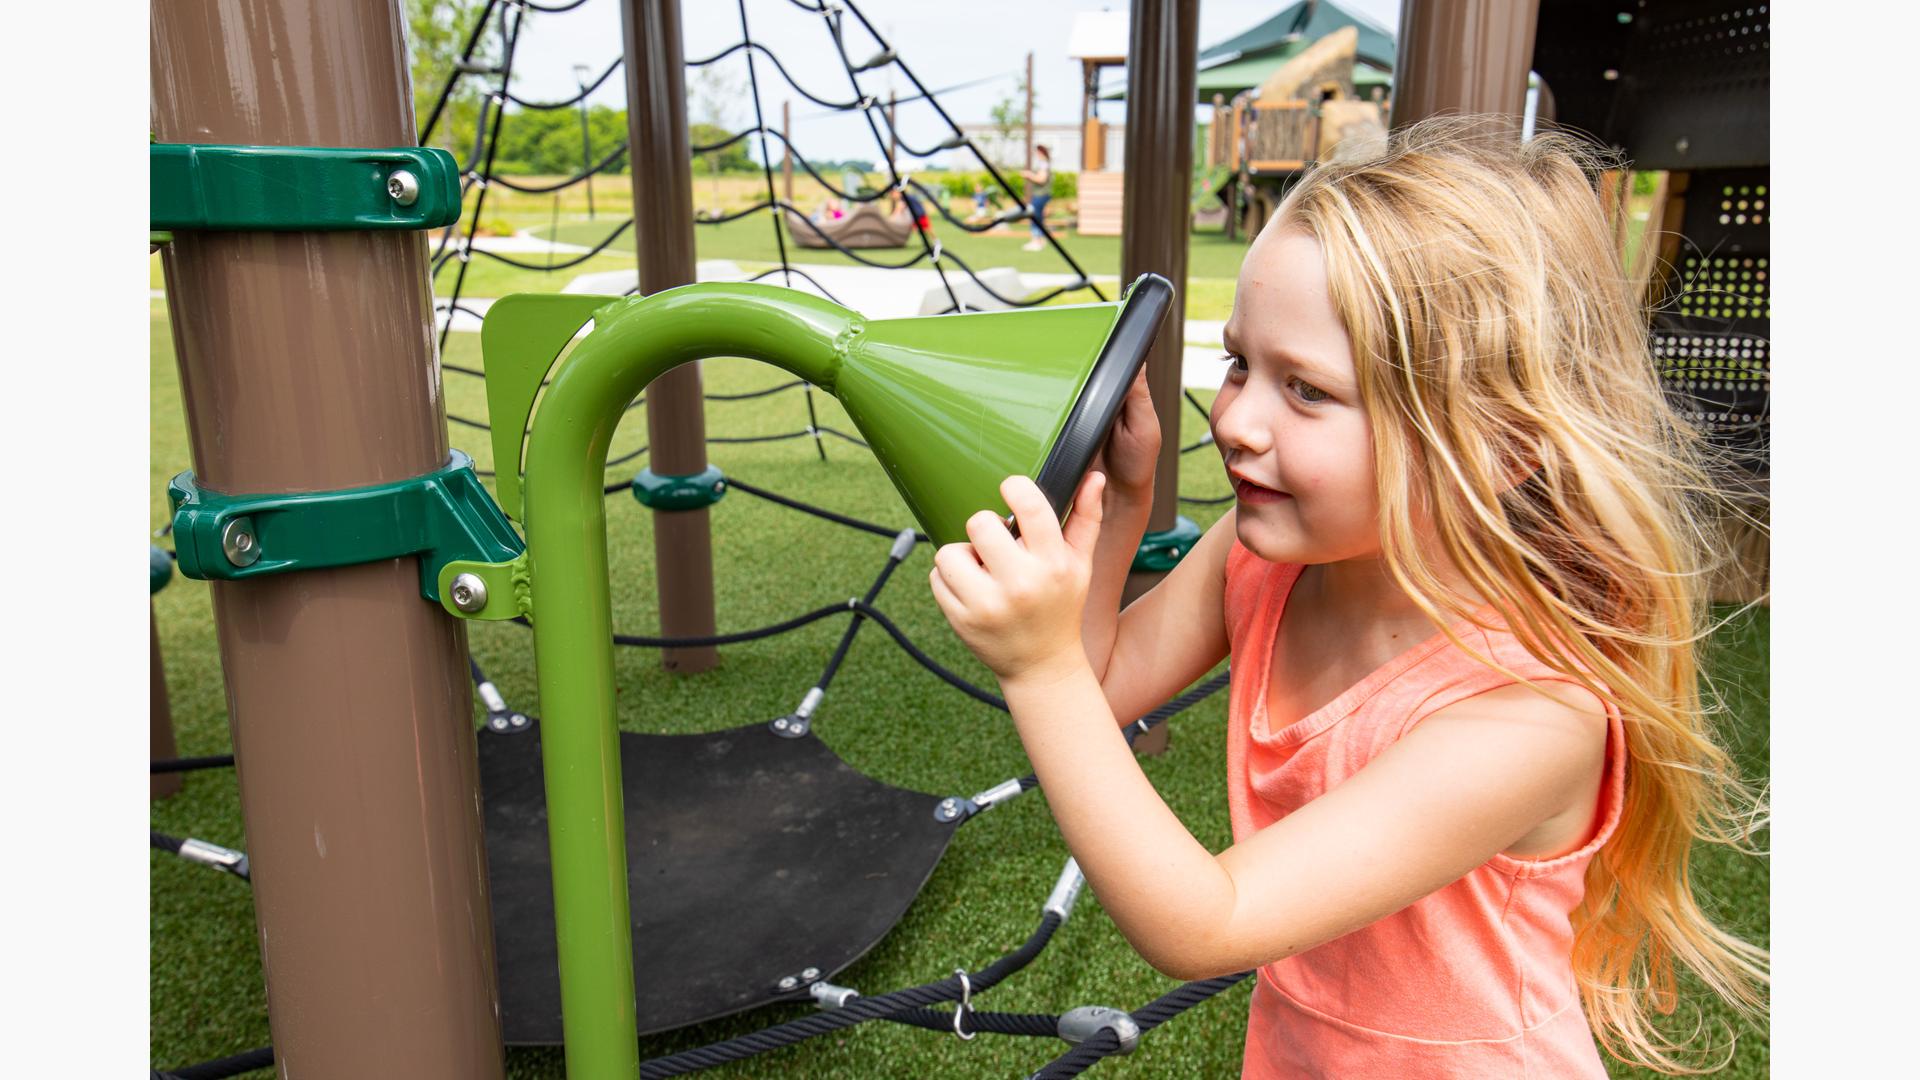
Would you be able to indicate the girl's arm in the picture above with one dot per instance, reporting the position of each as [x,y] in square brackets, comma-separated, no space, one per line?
[1471,780]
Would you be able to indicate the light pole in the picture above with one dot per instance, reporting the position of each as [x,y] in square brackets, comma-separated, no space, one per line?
[586,139]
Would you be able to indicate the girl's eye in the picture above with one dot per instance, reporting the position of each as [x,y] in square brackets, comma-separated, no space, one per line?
[1308,392]
[1236,362]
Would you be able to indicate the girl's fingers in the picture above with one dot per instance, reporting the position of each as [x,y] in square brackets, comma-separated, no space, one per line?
[1083,524]
[950,604]
[961,570]
[995,546]
[1039,529]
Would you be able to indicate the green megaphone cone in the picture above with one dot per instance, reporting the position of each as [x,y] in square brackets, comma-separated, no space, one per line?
[952,405]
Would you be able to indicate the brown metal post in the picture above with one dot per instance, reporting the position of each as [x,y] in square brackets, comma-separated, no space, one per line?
[1162,54]
[160,718]
[663,237]
[1463,56]
[786,159]
[893,139]
[1029,164]
[307,363]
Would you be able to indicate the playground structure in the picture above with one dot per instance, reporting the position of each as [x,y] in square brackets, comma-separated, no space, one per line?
[415,720]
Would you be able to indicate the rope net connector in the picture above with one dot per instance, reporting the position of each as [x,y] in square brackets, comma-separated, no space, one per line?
[829,996]
[903,545]
[1079,1025]
[220,858]
[796,723]
[1066,890]
[998,793]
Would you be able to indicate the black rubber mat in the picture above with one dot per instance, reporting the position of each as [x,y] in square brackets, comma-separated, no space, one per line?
[750,857]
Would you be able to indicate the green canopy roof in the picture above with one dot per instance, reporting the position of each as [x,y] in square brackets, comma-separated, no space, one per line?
[1244,61]
[1306,21]
[1247,73]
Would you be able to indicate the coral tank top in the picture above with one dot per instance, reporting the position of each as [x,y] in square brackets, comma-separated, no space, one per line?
[1474,980]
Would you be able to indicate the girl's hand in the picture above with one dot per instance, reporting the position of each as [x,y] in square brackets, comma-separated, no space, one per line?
[1017,602]
[1132,450]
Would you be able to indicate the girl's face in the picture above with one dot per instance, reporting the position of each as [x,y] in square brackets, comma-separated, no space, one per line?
[1288,422]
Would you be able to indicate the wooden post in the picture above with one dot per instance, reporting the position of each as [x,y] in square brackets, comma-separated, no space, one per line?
[307,364]
[786,140]
[663,237]
[160,744]
[1463,56]
[1162,54]
[1029,165]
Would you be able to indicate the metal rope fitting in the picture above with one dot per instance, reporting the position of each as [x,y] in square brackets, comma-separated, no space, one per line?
[1065,891]
[1079,1025]
[966,1006]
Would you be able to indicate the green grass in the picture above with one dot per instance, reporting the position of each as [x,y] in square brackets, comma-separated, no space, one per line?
[885,716]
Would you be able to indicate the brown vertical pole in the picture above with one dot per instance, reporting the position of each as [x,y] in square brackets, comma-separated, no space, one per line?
[786,159]
[1217,129]
[893,140]
[307,364]
[1463,56]
[663,236]
[1029,165]
[1089,74]
[1162,54]
[160,718]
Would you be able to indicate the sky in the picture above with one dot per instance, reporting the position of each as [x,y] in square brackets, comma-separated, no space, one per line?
[945,44]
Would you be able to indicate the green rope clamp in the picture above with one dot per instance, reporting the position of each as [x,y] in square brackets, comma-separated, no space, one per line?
[690,492]
[300,188]
[159,569]
[443,517]
[1161,551]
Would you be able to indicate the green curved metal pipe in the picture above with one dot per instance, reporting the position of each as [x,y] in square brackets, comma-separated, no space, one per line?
[631,345]
[949,405]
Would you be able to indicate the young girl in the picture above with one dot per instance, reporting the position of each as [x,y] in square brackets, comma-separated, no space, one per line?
[1461,587]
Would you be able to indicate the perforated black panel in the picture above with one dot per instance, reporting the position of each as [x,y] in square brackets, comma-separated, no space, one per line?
[1710,338]
[1677,84]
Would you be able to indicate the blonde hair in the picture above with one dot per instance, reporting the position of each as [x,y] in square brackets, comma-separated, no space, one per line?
[1517,417]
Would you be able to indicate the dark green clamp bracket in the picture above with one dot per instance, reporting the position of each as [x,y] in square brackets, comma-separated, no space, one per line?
[1161,551]
[443,517]
[690,492]
[301,188]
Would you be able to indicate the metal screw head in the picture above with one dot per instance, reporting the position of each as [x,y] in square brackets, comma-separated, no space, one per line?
[403,188]
[242,548]
[469,593]
[780,724]
[810,974]
[789,983]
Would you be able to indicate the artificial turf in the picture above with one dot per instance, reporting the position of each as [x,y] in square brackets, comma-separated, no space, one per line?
[886,716]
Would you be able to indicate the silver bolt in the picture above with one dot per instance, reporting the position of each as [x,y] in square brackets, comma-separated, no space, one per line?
[810,974]
[780,724]
[789,983]
[469,593]
[1680,145]
[238,542]
[403,188]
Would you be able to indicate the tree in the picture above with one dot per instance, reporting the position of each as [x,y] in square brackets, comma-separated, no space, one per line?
[437,31]
[1009,115]
[711,95]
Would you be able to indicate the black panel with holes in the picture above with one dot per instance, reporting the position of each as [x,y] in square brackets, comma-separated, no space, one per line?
[1710,336]
[1677,84]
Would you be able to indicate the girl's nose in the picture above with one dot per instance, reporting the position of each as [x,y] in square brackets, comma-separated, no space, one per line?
[1237,422]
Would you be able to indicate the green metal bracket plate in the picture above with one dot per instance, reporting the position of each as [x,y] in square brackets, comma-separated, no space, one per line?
[509,589]
[301,188]
[1161,551]
[519,341]
[443,517]
[690,492]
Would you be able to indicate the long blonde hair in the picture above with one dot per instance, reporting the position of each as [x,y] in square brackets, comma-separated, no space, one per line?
[1496,338]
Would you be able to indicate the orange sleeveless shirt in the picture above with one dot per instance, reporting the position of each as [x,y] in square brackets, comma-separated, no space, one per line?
[1472,981]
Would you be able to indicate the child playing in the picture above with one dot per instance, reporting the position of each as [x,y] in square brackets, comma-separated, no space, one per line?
[1460,586]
